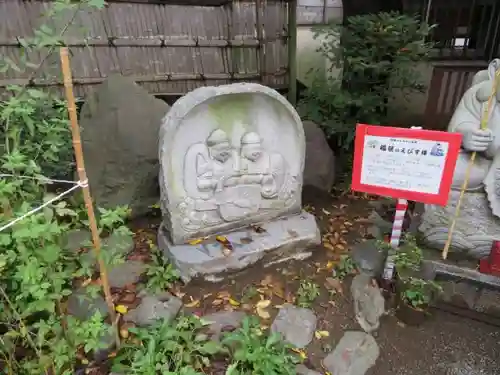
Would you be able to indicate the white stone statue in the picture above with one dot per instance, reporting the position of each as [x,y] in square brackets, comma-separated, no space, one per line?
[478,224]
[229,157]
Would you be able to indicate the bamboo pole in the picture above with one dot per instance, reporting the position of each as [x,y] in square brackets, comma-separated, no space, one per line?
[82,175]
[484,126]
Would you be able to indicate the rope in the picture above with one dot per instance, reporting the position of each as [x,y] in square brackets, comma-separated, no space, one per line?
[50,201]
[44,179]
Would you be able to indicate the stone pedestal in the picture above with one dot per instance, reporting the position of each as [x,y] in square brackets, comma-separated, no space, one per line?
[475,229]
[291,237]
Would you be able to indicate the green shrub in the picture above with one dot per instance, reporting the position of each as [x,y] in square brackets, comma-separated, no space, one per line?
[377,54]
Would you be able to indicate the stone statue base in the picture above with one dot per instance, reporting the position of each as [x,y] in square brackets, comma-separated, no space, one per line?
[475,229]
[291,237]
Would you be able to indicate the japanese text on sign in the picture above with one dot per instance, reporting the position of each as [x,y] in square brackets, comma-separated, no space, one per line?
[403,163]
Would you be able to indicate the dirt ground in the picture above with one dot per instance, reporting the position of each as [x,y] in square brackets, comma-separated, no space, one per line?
[445,345]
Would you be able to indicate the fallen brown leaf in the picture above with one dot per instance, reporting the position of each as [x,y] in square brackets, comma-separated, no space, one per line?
[267,280]
[217,302]
[334,284]
[193,303]
[224,295]
[328,246]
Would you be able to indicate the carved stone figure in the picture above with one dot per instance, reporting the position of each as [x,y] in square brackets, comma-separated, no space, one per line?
[479,221]
[232,159]
[229,159]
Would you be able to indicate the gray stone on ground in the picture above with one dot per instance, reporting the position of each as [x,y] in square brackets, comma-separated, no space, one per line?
[83,306]
[377,220]
[121,123]
[76,239]
[107,343]
[117,243]
[126,273]
[369,304]
[319,170]
[355,354]
[303,370]
[162,306]
[223,321]
[488,301]
[369,259]
[295,324]
[462,293]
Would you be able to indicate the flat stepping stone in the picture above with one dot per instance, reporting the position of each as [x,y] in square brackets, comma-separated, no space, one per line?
[355,354]
[83,306]
[295,324]
[76,239]
[163,306]
[223,321]
[121,275]
[119,244]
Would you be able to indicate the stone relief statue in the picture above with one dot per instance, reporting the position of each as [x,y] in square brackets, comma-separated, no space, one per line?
[479,222]
[226,183]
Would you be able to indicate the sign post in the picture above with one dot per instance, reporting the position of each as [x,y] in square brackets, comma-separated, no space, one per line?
[406,164]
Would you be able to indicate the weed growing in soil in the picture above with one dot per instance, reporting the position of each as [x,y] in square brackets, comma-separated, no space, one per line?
[254,352]
[161,274]
[307,293]
[174,348]
[345,267]
[419,293]
[409,256]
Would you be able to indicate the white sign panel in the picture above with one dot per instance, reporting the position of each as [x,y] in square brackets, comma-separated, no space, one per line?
[403,163]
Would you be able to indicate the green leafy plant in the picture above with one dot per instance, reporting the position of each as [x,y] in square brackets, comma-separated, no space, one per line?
[37,270]
[307,293]
[161,274]
[418,293]
[254,352]
[377,54]
[345,267]
[173,348]
[408,257]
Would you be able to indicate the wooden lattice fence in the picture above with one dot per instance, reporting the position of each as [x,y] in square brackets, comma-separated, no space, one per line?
[168,49]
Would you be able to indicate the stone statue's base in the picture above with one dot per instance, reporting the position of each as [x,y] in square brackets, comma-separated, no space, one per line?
[291,237]
[475,229]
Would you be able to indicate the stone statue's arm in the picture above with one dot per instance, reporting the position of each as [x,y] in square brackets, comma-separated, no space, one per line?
[467,119]
[467,115]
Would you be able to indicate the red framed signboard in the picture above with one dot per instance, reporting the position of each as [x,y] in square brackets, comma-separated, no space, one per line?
[411,164]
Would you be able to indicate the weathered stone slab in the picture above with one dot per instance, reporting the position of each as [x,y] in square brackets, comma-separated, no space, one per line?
[120,123]
[369,258]
[295,324]
[123,274]
[223,321]
[163,306]
[369,304]
[280,239]
[355,354]
[230,156]
[84,306]
[319,168]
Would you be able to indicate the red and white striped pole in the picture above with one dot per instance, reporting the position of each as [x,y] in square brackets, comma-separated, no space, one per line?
[397,229]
